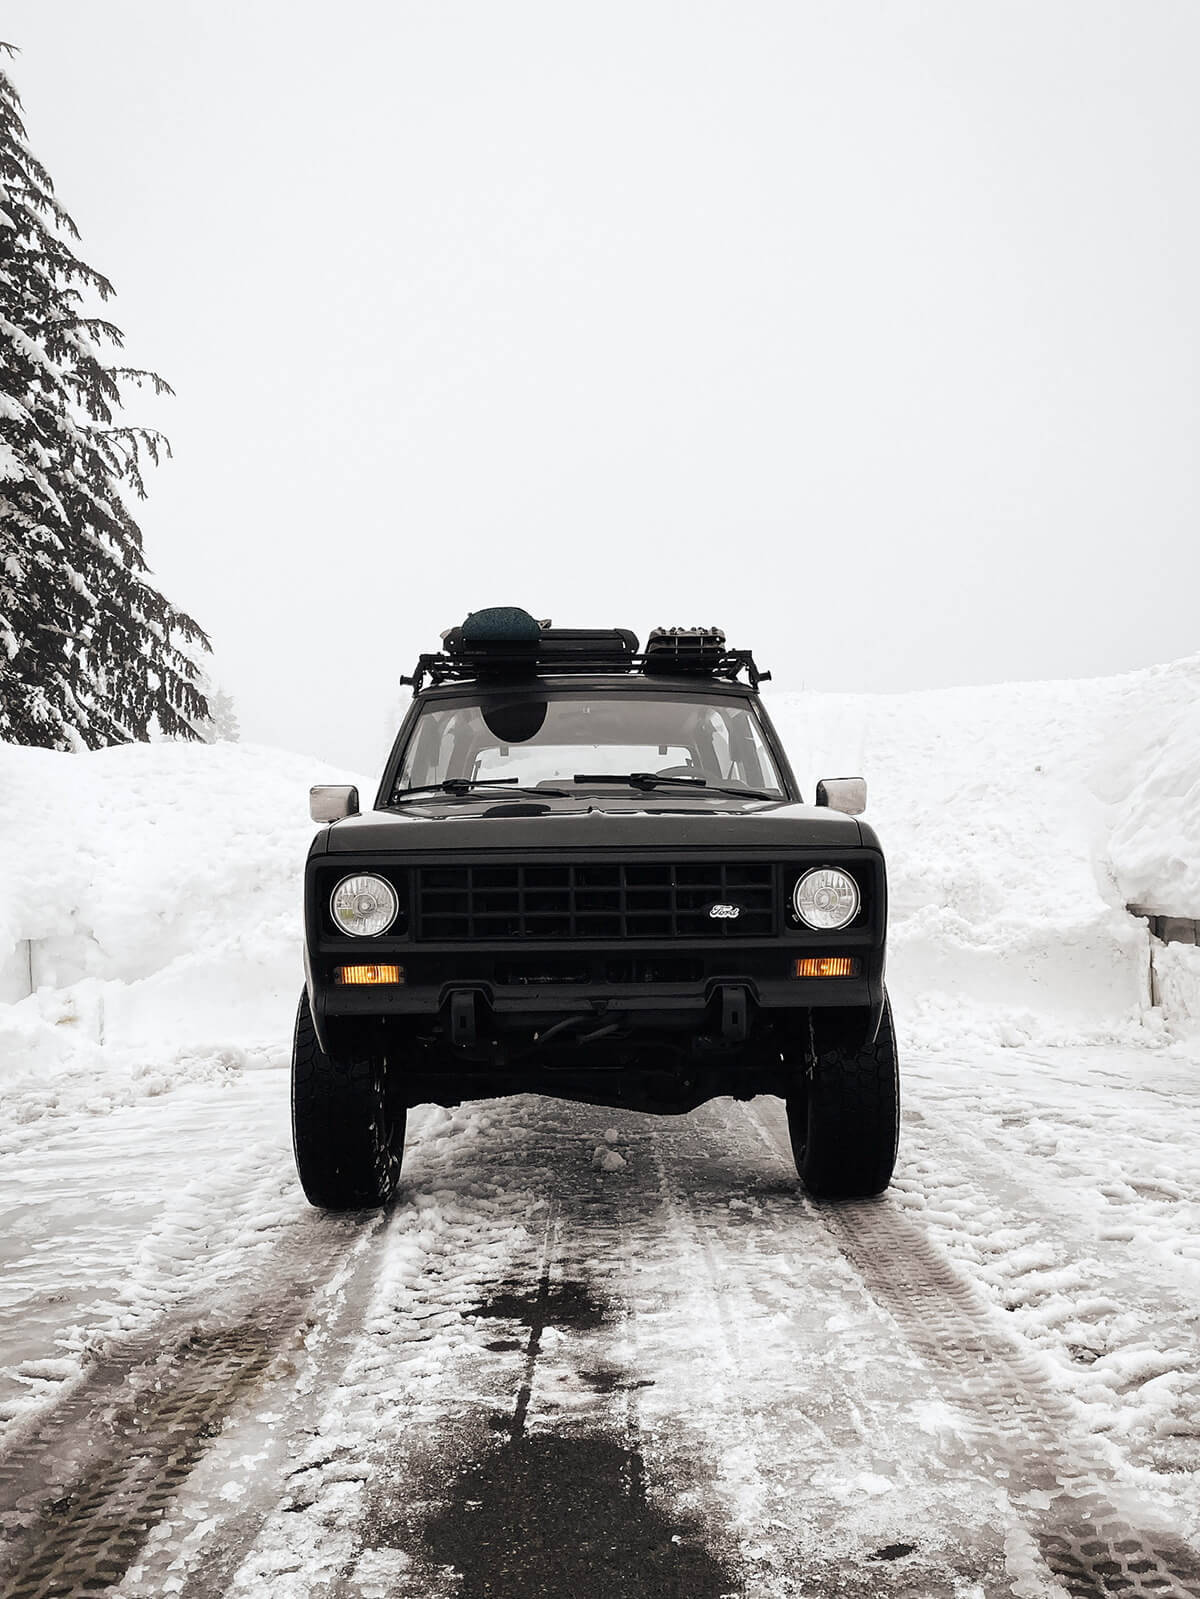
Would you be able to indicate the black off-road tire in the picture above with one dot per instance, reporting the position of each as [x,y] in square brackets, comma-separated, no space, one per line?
[844,1116]
[348,1138]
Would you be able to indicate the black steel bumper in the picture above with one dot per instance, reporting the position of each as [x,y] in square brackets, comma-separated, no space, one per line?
[474,992]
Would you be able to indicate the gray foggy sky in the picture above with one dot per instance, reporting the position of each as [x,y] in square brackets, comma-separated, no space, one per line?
[866,331]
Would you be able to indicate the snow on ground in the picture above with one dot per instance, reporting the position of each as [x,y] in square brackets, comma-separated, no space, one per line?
[468,1394]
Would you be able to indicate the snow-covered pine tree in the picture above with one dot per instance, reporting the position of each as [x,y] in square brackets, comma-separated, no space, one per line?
[90,652]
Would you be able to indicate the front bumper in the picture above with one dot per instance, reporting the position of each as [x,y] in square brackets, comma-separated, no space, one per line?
[646,981]
[463,1009]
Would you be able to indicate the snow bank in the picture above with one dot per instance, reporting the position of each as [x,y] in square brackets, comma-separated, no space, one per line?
[1019,821]
[1155,776]
[153,891]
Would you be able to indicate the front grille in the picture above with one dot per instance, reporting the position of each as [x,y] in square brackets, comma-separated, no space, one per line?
[578,901]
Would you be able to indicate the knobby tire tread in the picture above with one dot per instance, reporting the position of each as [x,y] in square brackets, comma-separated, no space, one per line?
[845,1125]
[348,1141]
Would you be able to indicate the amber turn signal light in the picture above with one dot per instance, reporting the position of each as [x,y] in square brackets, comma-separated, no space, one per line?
[368,975]
[826,966]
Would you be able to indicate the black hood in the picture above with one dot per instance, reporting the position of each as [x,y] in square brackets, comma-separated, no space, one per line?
[625,821]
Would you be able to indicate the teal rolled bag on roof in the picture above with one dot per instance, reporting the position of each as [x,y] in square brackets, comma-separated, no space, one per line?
[506,624]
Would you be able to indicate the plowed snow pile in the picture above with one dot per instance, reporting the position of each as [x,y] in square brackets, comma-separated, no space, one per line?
[154,891]
[153,894]
[1019,821]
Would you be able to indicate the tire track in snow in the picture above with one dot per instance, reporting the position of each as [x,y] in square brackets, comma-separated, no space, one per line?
[86,1484]
[865,1490]
[1077,1268]
[1089,1532]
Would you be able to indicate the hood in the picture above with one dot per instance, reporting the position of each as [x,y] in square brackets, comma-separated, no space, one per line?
[628,821]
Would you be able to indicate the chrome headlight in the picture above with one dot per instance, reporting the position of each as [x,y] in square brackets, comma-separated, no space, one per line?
[364,906]
[826,899]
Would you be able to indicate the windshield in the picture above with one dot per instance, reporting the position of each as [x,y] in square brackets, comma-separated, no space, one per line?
[554,738]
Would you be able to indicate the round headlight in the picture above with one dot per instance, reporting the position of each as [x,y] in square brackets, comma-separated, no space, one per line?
[364,906]
[826,898]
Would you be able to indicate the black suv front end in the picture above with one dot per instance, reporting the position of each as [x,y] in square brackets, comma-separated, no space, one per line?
[508,919]
[574,972]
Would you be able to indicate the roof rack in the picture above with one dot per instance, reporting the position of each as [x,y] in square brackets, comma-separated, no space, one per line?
[489,646]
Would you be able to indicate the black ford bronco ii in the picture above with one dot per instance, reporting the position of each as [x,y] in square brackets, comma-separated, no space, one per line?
[589,873]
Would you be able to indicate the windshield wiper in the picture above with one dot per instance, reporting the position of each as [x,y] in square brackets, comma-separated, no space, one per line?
[464,785]
[649,780]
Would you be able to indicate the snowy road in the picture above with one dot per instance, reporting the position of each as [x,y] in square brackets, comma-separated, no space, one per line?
[679,1377]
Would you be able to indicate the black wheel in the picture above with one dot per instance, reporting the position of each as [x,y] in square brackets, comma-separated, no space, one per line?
[348,1139]
[844,1117]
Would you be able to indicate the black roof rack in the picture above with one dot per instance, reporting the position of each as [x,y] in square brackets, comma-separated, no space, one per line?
[512,653]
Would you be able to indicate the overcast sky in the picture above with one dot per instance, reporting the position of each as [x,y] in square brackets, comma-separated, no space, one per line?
[866,331]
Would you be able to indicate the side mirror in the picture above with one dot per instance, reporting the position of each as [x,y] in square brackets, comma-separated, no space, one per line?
[330,802]
[847,794]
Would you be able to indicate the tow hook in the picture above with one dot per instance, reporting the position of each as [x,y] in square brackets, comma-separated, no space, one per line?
[462,1018]
[735,1013]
